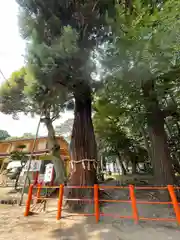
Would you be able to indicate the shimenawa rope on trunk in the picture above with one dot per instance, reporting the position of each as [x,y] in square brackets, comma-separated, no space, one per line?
[82,161]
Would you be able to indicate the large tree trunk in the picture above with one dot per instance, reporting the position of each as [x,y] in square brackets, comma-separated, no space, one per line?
[114,167]
[160,153]
[174,146]
[123,169]
[134,165]
[83,145]
[144,135]
[54,148]
[146,142]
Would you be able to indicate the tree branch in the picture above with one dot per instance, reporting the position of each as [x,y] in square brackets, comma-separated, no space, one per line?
[170,111]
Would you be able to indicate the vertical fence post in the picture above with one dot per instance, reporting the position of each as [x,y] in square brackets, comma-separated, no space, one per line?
[60,201]
[28,202]
[174,202]
[38,193]
[133,202]
[96,202]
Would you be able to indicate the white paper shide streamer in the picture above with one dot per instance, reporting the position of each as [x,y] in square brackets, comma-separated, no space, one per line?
[85,163]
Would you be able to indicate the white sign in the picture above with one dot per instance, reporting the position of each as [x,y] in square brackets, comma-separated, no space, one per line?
[48,173]
[41,178]
[35,166]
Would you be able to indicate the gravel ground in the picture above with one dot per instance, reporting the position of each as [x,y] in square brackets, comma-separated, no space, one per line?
[44,225]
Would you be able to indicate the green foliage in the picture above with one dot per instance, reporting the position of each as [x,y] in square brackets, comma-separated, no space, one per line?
[19,155]
[28,135]
[65,128]
[12,99]
[144,50]
[22,93]
[115,128]
[61,37]
[145,45]
[4,135]
[24,136]
[138,43]
[46,61]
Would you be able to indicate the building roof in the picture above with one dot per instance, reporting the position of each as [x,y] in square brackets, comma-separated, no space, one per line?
[26,139]
[34,153]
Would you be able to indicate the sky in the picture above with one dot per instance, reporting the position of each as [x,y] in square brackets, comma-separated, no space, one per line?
[12,48]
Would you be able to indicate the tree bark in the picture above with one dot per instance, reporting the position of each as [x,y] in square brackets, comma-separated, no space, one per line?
[146,142]
[83,145]
[160,153]
[114,167]
[123,169]
[54,148]
[144,135]
[134,164]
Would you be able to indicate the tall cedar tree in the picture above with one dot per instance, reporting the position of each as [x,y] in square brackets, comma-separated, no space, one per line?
[61,38]
[144,59]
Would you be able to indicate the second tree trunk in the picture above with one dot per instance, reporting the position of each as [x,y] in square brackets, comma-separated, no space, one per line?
[162,162]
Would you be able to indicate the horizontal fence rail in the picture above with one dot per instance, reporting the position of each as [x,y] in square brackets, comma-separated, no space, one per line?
[133,201]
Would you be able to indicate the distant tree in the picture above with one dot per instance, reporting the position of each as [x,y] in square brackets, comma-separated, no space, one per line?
[25,135]
[4,134]
[28,135]
[65,128]
[18,155]
[12,138]
[22,94]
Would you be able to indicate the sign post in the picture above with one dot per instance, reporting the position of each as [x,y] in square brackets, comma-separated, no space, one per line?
[35,166]
[48,175]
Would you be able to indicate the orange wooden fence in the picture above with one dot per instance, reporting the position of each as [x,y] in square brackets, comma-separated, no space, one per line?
[135,216]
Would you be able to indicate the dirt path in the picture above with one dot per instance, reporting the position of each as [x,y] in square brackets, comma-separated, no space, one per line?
[44,226]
